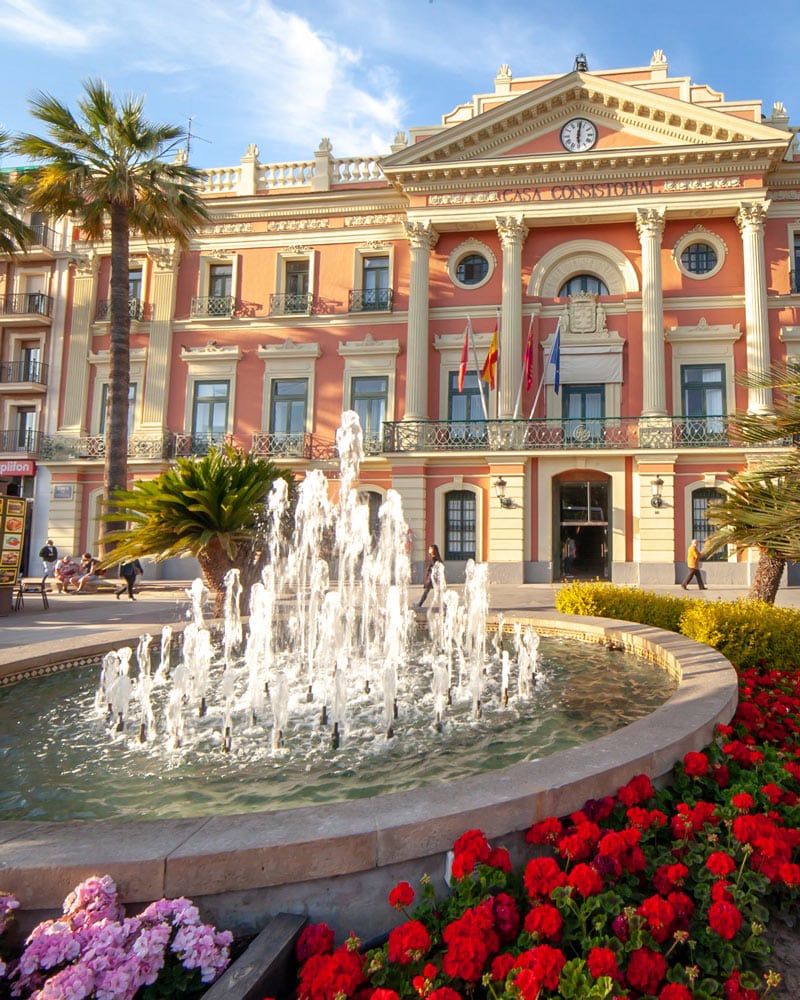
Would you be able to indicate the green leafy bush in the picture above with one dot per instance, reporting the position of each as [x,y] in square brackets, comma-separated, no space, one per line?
[747,632]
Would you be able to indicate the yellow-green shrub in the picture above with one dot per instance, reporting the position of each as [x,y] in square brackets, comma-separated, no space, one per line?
[606,600]
[746,632]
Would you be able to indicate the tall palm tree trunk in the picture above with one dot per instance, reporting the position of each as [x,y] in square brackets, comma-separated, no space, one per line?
[116,463]
[768,577]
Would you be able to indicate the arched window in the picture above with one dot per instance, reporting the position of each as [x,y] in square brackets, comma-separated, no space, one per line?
[701,526]
[459,525]
[583,283]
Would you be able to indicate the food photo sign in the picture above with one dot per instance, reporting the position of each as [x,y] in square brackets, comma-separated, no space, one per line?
[12,532]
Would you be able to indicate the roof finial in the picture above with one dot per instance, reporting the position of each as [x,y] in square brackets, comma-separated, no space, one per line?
[581,65]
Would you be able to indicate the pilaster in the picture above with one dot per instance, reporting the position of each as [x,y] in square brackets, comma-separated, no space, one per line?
[163,290]
[422,238]
[650,227]
[512,232]
[85,267]
[750,220]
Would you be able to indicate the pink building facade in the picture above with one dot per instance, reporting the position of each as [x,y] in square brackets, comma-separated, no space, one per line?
[651,222]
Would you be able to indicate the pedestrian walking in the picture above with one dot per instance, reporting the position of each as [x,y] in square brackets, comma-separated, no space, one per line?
[434,557]
[128,571]
[693,559]
[49,555]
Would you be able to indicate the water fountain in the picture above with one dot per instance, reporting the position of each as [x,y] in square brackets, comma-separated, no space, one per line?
[309,659]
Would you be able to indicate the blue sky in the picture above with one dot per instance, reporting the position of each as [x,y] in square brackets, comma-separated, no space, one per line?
[285,75]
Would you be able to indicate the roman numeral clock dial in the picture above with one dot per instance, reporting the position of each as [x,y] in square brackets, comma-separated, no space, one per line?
[578,135]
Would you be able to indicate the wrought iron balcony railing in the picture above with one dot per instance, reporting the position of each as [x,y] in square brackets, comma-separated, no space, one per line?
[211,306]
[21,441]
[26,303]
[137,310]
[24,371]
[93,446]
[370,300]
[43,236]
[287,303]
[559,435]
[197,445]
[282,445]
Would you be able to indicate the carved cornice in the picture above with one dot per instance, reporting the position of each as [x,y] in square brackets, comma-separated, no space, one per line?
[164,258]
[86,265]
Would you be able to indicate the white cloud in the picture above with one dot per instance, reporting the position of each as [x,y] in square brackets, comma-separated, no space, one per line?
[31,23]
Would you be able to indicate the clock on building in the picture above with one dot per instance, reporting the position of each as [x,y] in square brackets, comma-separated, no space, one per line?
[578,135]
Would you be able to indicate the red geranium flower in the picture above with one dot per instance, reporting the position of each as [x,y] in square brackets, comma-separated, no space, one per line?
[506,917]
[539,969]
[638,790]
[316,939]
[646,969]
[409,942]
[501,966]
[499,858]
[585,879]
[720,864]
[675,991]
[402,895]
[544,921]
[734,991]
[659,917]
[602,962]
[470,849]
[789,873]
[383,994]
[544,832]
[724,919]
[742,801]
[542,875]
[695,764]
[669,877]
[444,993]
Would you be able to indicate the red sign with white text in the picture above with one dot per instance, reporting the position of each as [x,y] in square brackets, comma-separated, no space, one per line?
[17,467]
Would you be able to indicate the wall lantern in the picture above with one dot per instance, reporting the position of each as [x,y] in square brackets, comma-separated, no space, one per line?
[656,500]
[500,492]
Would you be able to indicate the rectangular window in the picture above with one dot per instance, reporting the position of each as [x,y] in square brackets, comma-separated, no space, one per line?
[131,408]
[583,410]
[701,526]
[460,525]
[375,283]
[288,406]
[296,286]
[796,263]
[368,397]
[220,280]
[465,410]
[30,364]
[25,429]
[703,395]
[135,292]
[210,403]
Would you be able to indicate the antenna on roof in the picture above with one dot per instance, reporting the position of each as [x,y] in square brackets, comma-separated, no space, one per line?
[581,65]
[190,135]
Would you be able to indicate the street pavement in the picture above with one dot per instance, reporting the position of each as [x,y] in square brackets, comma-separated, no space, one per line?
[74,616]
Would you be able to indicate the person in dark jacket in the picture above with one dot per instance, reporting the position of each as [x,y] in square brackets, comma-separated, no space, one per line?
[427,584]
[49,555]
[128,571]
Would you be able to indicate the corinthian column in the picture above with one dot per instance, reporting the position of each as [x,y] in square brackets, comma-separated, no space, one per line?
[76,388]
[422,238]
[650,227]
[512,233]
[163,287]
[751,225]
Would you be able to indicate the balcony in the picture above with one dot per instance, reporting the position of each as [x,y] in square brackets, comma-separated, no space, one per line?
[198,445]
[20,372]
[17,441]
[291,303]
[370,300]
[93,447]
[282,445]
[43,236]
[609,434]
[138,310]
[26,307]
[212,307]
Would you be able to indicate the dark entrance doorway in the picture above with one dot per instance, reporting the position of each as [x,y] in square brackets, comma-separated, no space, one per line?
[581,541]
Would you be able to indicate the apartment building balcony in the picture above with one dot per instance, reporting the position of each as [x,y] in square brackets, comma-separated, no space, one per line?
[138,310]
[186,445]
[282,445]
[92,447]
[27,374]
[291,303]
[212,307]
[21,441]
[609,434]
[370,300]
[25,308]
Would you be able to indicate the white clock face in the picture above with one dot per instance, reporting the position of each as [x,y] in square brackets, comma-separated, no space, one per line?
[578,135]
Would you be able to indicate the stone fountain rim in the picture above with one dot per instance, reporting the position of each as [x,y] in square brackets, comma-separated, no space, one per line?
[221,856]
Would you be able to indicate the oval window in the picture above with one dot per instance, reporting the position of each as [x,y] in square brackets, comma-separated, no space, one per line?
[699,258]
[472,269]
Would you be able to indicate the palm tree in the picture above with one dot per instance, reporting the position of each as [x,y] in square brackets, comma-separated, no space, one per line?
[14,234]
[762,505]
[211,508]
[107,170]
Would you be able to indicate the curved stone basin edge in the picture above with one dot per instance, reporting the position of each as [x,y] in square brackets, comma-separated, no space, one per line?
[337,862]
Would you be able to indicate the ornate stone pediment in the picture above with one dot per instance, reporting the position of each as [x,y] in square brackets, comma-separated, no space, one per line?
[584,315]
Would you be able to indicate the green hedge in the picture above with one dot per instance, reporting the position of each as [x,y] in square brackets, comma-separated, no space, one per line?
[746,632]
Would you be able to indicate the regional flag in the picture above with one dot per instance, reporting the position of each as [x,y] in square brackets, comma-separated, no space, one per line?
[489,369]
[555,359]
[462,368]
[527,361]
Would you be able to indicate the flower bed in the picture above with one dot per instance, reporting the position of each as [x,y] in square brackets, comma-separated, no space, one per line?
[660,893]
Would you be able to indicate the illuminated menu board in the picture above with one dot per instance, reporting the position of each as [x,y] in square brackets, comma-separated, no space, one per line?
[12,532]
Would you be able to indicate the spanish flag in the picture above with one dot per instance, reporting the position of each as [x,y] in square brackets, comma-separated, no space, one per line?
[462,368]
[489,370]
